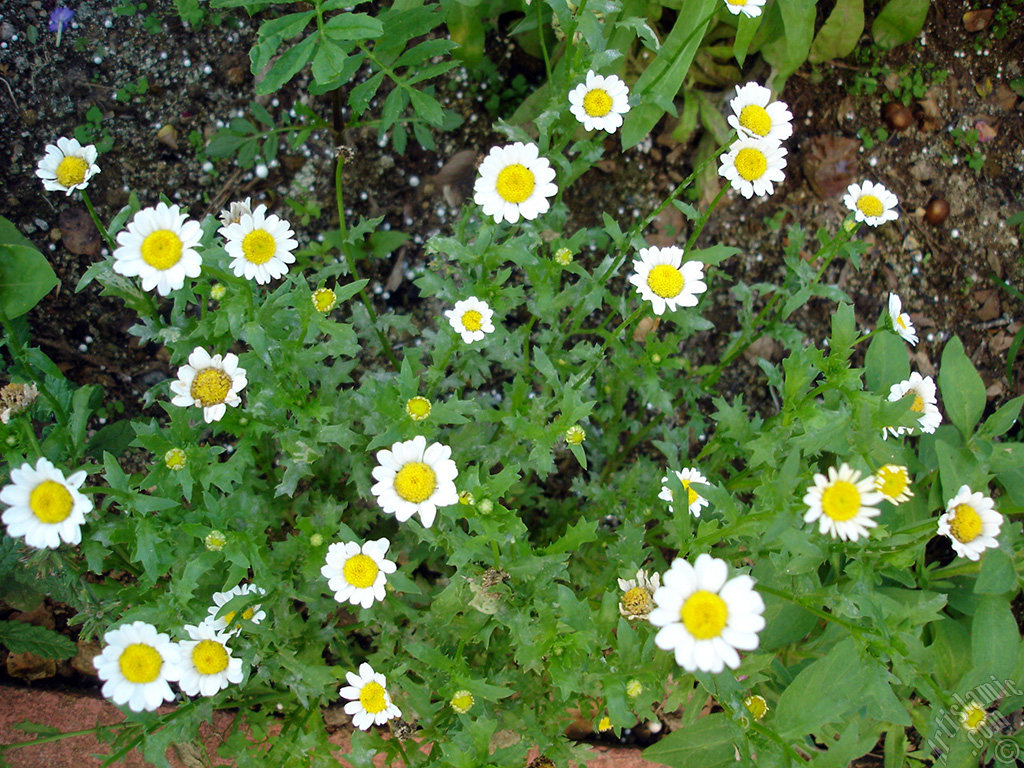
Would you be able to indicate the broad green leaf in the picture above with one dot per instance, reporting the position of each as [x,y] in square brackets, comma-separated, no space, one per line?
[25,278]
[353,26]
[899,22]
[997,574]
[27,638]
[286,67]
[10,235]
[886,363]
[709,742]
[426,106]
[286,27]
[994,637]
[789,51]
[813,699]
[963,391]
[1000,422]
[839,35]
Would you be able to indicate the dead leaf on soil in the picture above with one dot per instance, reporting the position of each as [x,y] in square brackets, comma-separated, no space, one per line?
[995,389]
[87,651]
[990,308]
[1004,98]
[930,118]
[985,87]
[986,131]
[924,363]
[455,178]
[644,327]
[953,98]
[831,165]
[975,21]
[29,667]
[669,226]
[78,232]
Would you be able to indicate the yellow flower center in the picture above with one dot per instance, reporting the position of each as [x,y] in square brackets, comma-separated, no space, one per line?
[740,3]
[247,614]
[472,320]
[605,724]
[704,614]
[373,697]
[870,206]
[51,502]
[691,495]
[515,183]
[966,524]
[415,482]
[71,171]
[360,571]
[175,459]
[918,405]
[666,281]
[418,408]
[637,601]
[841,501]
[140,663]
[161,249]
[324,299]
[597,103]
[209,657]
[756,120]
[901,322]
[751,163]
[210,387]
[258,246]
[974,717]
[756,706]
[462,701]
[892,481]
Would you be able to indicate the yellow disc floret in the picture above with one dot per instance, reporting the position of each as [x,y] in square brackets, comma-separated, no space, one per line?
[50,502]
[870,206]
[140,663]
[415,482]
[373,697]
[841,501]
[637,601]
[666,281]
[210,387]
[161,249]
[360,571]
[462,701]
[918,405]
[258,246]
[691,495]
[704,614]
[756,120]
[597,102]
[472,320]
[209,657]
[892,481]
[751,163]
[71,171]
[418,408]
[515,183]
[965,524]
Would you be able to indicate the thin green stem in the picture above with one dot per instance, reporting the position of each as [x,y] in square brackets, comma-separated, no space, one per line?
[780,593]
[497,554]
[339,185]
[62,735]
[543,43]
[96,220]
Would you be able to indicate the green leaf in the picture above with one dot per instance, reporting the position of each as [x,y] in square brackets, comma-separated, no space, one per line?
[1000,422]
[839,35]
[426,106]
[27,638]
[997,575]
[994,637]
[886,363]
[25,278]
[787,52]
[353,26]
[899,22]
[813,699]
[709,742]
[286,67]
[963,391]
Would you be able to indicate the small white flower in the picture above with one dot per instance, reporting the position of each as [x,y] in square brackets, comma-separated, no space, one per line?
[370,703]
[136,666]
[695,502]
[207,665]
[234,212]
[901,320]
[514,181]
[158,245]
[973,716]
[260,245]
[45,507]
[971,523]
[756,115]
[252,613]
[842,503]
[662,279]
[753,166]
[871,203]
[600,102]
[705,617]
[893,482]
[210,383]
[637,599]
[413,478]
[67,166]
[358,574]
[471,318]
[923,389]
[751,8]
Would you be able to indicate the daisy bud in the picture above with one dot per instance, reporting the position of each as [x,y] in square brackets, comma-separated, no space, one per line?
[575,435]
[175,459]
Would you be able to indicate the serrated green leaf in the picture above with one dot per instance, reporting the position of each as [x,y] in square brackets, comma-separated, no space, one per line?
[286,67]
[353,26]
[27,638]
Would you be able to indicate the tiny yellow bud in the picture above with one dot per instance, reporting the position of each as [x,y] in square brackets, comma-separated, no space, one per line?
[757,706]
[634,688]
[563,256]
[462,701]
[485,507]
[465,497]
[316,540]
[575,435]
[217,291]
[418,408]
[324,300]
[604,725]
[175,459]
[215,541]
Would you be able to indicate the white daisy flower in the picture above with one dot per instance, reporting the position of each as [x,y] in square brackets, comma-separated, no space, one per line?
[901,320]
[44,506]
[923,389]
[637,599]
[413,478]
[136,666]
[158,245]
[753,165]
[67,166]
[756,115]
[893,482]
[471,318]
[662,279]
[210,383]
[234,212]
[871,203]
[751,8]
[251,613]
[705,617]
[260,245]
[842,503]
[370,703]
[355,574]
[695,502]
[207,665]
[971,523]
[600,102]
[515,181]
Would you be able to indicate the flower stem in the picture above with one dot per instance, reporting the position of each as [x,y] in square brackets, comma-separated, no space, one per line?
[96,221]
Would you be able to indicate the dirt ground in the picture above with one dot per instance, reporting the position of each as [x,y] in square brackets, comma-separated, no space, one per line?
[964,144]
